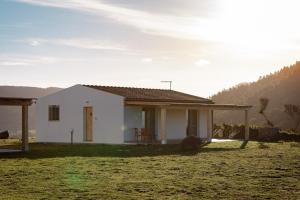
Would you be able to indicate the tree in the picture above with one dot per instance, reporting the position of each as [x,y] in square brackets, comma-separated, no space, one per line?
[294,112]
[263,106]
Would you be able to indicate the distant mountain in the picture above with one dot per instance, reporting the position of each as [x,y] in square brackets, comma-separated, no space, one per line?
[281,87]
[10,116]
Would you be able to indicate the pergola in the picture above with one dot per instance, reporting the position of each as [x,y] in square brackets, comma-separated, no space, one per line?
[24,103]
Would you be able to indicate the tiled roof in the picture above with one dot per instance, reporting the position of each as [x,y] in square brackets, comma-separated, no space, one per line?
[147,94]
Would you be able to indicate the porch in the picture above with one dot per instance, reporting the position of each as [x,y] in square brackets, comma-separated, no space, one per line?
[170,122]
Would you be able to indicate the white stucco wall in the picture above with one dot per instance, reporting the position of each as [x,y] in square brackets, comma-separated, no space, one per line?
[132,119]
[108,116]
[176,124]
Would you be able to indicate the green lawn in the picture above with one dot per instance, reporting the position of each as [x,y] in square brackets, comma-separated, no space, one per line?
[217,171]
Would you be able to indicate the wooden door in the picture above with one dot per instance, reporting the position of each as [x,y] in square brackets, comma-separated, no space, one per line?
[150,122]
[192,123]
[88,123]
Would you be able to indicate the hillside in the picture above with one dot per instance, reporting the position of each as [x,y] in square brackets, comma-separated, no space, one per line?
[281,87]
[10,116]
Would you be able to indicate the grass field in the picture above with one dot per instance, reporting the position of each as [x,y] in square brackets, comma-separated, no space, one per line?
[217,171]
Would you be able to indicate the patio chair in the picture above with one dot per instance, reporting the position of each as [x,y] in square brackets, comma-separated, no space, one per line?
[136,134]
[145,135]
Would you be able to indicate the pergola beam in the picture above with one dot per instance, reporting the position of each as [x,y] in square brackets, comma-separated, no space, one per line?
[11,101]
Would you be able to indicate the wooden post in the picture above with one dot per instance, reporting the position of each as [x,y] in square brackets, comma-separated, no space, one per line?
[163,126]
[25,146]
[246,126]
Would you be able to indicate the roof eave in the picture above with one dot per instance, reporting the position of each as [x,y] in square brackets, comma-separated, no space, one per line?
[16,101]
[189,104]
[168,100]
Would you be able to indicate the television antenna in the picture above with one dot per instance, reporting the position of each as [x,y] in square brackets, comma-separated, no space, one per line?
[170,83]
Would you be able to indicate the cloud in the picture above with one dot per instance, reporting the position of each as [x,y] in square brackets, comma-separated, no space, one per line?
[13,63]
[202,62]
[235,24]
[28,60]
[193,28]
[35,43]
[147,60]
[83,43]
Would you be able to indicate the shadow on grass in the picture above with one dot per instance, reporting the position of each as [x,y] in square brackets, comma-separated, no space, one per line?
[101,150]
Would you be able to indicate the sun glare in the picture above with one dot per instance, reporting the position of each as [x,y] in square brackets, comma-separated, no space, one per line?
[259,25]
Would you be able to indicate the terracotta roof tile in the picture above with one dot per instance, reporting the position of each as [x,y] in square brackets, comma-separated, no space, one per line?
[147,94]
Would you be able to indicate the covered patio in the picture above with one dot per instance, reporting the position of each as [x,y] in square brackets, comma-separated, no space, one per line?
[24,103]
[203,118]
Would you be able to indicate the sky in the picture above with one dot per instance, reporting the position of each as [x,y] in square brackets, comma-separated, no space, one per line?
[203,46]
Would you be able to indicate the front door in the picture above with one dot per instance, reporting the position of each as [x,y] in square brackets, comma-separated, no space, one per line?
[88,112]
[150,122]
[192,123]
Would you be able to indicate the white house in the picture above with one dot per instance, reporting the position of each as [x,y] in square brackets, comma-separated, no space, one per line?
[116,115]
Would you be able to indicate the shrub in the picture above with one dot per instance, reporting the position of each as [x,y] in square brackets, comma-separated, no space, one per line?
[263,134]
[191,143]
[4,135]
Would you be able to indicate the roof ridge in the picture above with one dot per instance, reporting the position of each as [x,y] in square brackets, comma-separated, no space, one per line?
[109,86]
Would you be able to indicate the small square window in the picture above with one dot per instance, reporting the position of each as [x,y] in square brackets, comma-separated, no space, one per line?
[53,113]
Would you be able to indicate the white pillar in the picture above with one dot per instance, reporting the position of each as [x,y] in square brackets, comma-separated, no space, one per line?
[246,125]
[212,118]
[163,133]
[199,123]
[186,121]
[209,125]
